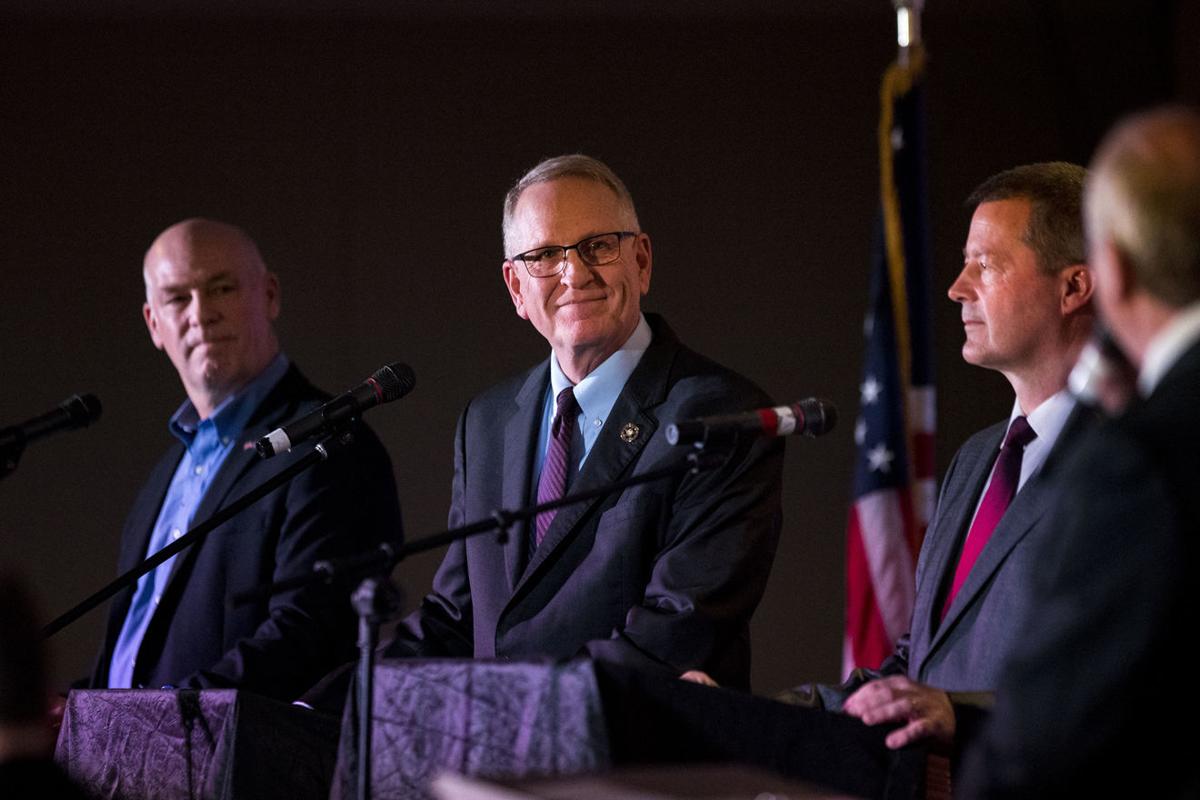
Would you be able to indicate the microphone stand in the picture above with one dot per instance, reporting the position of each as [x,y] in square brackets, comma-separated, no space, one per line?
[10,456]
[375,597]
[336,441]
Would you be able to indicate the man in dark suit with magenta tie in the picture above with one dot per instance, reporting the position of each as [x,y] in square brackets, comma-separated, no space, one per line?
[1096,701]
[1025,294]
[662,576]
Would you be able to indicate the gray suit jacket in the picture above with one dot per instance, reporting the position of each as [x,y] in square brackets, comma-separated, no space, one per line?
[663,576]
[964,652]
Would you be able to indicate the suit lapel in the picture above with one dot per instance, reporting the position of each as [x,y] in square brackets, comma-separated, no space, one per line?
[959,501]
[1028,506]
[611,455]
[273,411]
[520,440]
[142,518]
[1026,509]
[136,540]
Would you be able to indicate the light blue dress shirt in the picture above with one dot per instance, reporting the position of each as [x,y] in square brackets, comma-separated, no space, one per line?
[596,394]
[207,444]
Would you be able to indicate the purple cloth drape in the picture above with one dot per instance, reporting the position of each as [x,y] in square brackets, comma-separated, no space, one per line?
[215,745]
[488,719]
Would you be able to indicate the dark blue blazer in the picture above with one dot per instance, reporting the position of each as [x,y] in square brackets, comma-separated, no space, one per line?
[662,576]
[279,647]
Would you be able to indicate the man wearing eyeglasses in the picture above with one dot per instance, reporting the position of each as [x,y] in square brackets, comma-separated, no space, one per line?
[662,576]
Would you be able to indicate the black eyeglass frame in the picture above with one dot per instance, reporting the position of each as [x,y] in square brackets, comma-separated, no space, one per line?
[522,257]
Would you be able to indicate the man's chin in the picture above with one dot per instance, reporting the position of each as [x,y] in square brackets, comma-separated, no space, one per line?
[215,377]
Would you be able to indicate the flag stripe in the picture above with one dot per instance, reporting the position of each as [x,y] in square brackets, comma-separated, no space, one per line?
[880,515]
[894,488]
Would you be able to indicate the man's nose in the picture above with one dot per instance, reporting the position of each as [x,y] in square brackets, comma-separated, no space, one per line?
[204,309]
[575,271]
[960,290]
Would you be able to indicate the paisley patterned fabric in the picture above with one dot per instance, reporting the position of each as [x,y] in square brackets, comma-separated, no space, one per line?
[480,718]
[194,745]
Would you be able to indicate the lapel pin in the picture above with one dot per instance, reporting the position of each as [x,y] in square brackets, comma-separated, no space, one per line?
[629,432]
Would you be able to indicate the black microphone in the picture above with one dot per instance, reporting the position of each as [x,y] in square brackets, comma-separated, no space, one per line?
[77,411]
[809,417]
[387,384]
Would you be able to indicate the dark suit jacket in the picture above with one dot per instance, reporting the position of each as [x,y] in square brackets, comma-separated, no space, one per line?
[1091,702]
[276,648]
[661,576]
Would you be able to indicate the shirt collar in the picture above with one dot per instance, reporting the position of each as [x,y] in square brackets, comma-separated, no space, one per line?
[1049,418]
[598,391]
[231,416]
[1167,346]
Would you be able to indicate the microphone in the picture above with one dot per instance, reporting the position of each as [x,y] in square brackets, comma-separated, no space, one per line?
[77,411]
[387,384]
[1102,376]
[809,417]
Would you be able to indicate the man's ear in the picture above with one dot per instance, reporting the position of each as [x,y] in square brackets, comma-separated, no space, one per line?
[512,282]
[1124,274]
[152,324]
[644,259]
[1077,287]
[274,296]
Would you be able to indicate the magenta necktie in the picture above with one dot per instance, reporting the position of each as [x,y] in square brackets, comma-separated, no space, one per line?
[552,485]
[1001,490]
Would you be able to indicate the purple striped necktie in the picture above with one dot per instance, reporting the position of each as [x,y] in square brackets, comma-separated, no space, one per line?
[552,485]
[1000,493]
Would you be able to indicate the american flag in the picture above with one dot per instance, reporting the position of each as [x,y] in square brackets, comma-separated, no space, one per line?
[894,484]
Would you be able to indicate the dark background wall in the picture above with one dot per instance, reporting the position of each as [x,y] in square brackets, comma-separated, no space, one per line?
[367,145]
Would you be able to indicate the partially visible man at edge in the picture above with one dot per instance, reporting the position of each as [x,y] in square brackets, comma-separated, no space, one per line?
[26,737]
[1095,701]
[662,576]
[210,304]
[1025,294]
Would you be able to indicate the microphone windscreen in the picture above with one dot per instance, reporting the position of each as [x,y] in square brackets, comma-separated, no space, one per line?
[395,380]
[83,409]
[820,416]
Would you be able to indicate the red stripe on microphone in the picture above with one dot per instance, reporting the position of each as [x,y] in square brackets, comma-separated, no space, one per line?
[376,388]
[770,421]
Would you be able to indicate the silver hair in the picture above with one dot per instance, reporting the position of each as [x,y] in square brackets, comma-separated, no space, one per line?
[575,165]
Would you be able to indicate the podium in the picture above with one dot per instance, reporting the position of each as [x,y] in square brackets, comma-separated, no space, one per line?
[509,721]
[479,718]
[193,745]
[483,720]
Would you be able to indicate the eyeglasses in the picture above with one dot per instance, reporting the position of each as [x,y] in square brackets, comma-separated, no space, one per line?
[603,248]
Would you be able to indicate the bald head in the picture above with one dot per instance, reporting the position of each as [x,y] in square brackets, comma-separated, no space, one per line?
[1145,198]
[197,233]
[210,305]
[1143,222]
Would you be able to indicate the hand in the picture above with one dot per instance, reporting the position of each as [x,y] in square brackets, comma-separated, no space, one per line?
[55,711]
[696,676]
[926,712]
